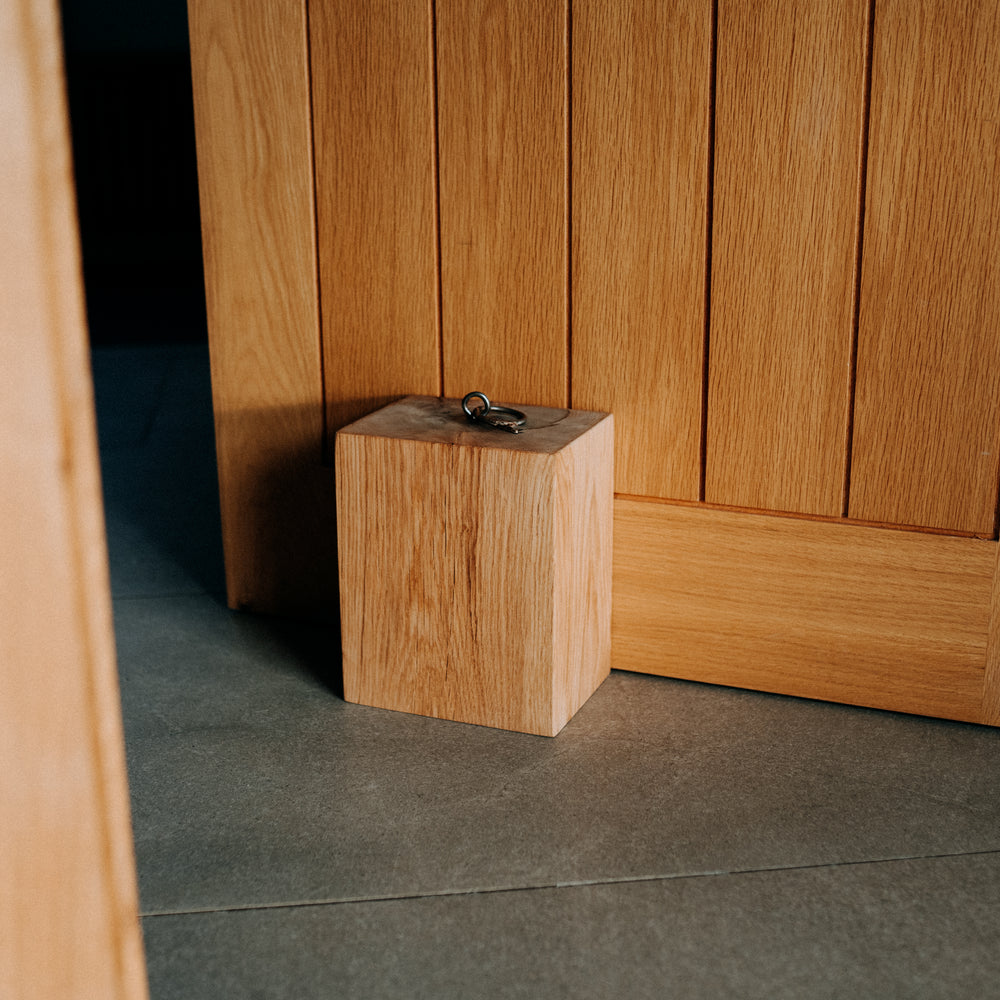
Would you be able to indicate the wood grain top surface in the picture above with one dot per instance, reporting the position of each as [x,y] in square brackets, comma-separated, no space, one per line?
[441,421]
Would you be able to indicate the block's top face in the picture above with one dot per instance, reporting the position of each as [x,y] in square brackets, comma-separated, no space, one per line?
[441,421]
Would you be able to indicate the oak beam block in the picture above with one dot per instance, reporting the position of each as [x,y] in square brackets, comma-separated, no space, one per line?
[475,565]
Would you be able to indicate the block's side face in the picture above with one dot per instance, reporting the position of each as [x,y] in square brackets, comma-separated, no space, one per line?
[583,516]
[446,572]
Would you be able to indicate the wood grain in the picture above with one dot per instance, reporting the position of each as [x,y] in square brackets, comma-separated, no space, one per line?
[991,683]
[503,119]
[583,519]
[892,619]
[475,565]
[927,427]
[641,83]
[866,616]
[373,116]
[69,925]
[251,92]
[789,112]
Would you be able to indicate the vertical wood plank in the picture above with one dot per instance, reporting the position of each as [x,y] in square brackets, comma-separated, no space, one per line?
[789,113]
[373,108]
[69,924]
[927,425]
[503,114]
[252,118]
[641,82]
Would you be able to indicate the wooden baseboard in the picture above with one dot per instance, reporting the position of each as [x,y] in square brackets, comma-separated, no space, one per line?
[864,616]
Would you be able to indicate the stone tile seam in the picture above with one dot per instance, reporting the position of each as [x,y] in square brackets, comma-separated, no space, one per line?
[573,884]
[169,596]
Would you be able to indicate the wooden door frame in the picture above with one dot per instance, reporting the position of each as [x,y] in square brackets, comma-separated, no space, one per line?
[69,920]
[860,636]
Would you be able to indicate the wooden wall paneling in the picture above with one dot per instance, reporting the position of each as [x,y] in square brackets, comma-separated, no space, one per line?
[373,116]
[69,924]
[252,118]
[640,156]
[897,620]
[503,120]
[927,424]
[789,116]
[867,616]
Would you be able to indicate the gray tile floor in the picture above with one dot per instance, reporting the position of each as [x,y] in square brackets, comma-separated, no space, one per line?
[676,840]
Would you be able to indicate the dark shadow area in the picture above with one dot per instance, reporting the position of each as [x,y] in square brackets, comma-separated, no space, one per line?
[285,513]
[128,78]
[159,469]
[161,492]
[314,649]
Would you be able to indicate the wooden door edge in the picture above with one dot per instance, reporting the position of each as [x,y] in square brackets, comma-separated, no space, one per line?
[991,679]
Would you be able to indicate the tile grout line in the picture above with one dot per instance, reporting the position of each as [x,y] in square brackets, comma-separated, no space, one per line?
[219,596]
[576,884]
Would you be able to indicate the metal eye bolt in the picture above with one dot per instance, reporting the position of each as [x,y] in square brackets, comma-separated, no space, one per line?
[502,417]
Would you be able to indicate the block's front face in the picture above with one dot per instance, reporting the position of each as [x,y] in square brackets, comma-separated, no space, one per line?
[447,580]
